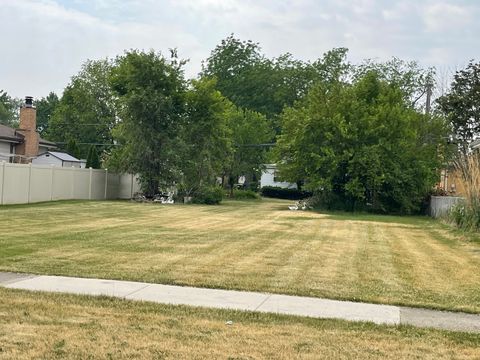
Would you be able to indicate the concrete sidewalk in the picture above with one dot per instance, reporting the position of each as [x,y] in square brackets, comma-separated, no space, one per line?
[249,301]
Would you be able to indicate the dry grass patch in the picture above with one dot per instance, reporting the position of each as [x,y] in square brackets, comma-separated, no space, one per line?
[47,326]
[257,246]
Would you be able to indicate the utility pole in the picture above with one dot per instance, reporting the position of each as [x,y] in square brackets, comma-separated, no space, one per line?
[429,99]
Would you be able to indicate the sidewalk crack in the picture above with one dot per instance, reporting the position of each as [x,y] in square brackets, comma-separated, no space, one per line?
[263,302]
[135,291]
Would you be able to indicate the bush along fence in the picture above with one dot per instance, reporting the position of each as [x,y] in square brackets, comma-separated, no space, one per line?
[27,183]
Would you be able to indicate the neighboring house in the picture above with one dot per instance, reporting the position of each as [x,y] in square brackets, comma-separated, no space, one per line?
[60,159]
[23,144]
[451,182]
[270,178]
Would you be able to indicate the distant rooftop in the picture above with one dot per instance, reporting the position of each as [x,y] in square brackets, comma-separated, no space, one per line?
[62,156]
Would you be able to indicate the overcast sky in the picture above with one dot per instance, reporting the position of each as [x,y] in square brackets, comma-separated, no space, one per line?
[44,42]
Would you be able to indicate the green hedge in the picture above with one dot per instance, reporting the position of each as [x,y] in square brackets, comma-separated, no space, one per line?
[281,193]
[211,195]
[245,195]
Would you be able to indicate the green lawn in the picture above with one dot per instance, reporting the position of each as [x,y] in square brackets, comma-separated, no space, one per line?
[257,245]
[52,326]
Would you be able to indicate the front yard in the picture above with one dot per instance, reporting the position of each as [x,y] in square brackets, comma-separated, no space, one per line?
[51,326]
[257,246]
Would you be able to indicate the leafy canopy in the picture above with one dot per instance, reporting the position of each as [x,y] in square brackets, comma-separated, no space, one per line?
[93,160]
[206,139]
[86,111]
[46,106]
[252,81]
[361,146]
[461,105]
[9,109]
[150,92]
[249,129]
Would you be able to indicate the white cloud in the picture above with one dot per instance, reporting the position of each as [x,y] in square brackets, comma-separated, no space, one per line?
[446,17]
[45,42]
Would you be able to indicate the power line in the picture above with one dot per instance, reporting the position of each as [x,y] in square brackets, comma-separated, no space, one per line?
[257,145]
[96,144]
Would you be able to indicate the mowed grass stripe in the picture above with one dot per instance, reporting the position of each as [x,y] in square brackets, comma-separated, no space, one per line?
[255,245]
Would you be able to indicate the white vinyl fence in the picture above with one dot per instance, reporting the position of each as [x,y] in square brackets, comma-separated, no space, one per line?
[27,183]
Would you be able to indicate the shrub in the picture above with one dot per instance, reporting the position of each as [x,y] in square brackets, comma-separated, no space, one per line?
[245,194]
[281,193]
[210,195]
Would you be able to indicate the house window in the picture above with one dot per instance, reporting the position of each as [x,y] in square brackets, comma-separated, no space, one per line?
[275,177]
[12,153]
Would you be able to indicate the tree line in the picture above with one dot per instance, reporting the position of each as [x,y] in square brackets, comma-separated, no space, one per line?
[356,135]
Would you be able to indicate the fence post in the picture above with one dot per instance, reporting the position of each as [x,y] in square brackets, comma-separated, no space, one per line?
[106,182]
[90,184]
[3,181]
[73,183]
[131,188]
[52,174]
[29,182]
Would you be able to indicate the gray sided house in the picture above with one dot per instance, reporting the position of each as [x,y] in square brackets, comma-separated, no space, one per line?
[61,159]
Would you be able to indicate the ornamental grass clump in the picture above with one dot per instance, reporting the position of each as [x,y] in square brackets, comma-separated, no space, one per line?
[466,214]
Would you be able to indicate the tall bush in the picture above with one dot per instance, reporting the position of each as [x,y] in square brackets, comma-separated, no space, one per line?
[466,215]
[362,146]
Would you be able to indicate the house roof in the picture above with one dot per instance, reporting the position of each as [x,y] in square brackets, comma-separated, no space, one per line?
[8,133]
[11,134]
[62,156]
[46,142]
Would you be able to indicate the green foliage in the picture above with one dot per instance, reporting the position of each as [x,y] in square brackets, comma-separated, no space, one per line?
[461,104]
[411,79]
[151,101]
[239,194]
[252,81]
[86,111]
[72,148]
[362,146]
[45,108]
[282,193]
[248,128]
[205,135]
[93,160]
[209,195]
[9,109]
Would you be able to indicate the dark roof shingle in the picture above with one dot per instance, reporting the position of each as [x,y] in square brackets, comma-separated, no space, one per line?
[8,133]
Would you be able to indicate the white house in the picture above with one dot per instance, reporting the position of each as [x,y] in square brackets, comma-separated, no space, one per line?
[270,178]
[60,159]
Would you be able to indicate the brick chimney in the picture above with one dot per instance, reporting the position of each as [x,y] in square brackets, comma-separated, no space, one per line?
[28,128]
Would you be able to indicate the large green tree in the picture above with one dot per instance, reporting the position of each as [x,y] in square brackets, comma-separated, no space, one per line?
[72,148]
[46,106]
[8,109]
[249,130]
[86,111]
[411,79]
[205,136]
[461,105]
[362,146]
[93,160]
[151,103]
[252,81]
